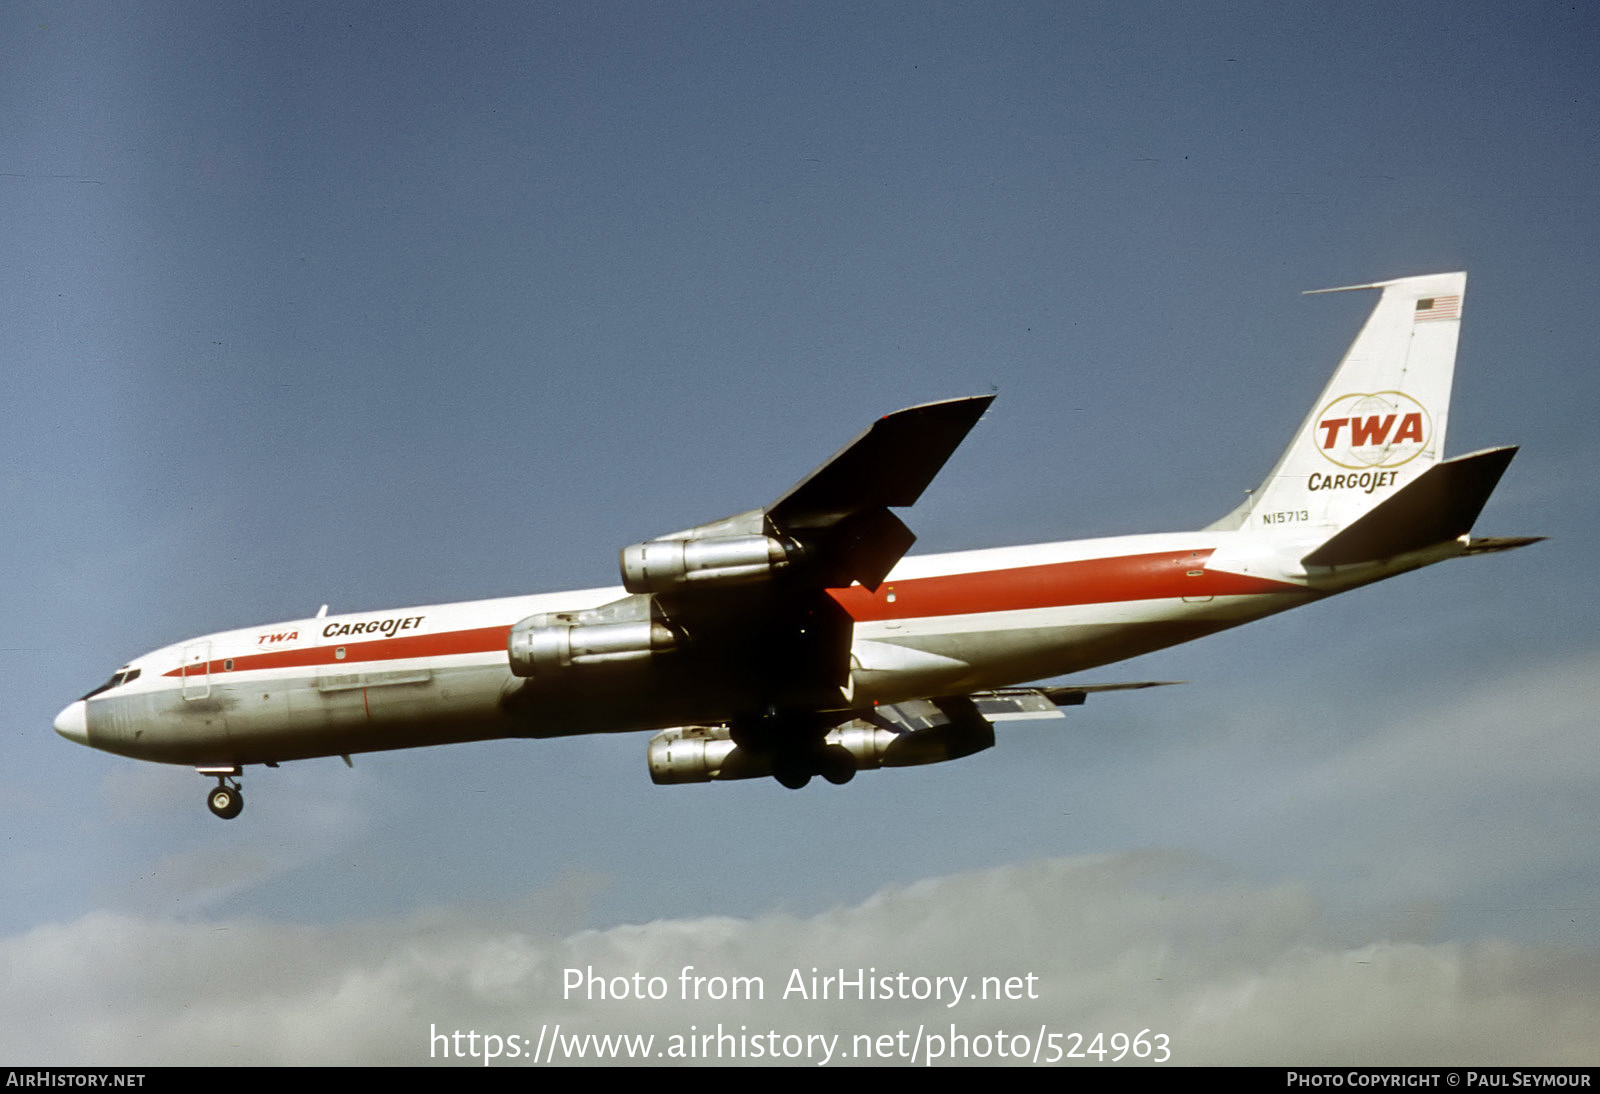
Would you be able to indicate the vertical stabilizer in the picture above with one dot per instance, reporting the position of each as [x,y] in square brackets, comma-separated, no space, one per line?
[1380,422]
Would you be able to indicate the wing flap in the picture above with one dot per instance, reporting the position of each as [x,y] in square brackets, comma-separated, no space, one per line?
[1000,705]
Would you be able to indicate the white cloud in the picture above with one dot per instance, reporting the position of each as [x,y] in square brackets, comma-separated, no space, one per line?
[1147,941]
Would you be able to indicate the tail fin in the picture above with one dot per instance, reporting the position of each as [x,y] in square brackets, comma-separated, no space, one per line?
[1378,425]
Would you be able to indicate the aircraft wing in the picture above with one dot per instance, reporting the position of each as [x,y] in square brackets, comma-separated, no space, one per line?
[741,604]
[844,504]
[831,528]
[749,591]
[891,462]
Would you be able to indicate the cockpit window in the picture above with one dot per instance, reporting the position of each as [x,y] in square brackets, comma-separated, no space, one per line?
[120,677]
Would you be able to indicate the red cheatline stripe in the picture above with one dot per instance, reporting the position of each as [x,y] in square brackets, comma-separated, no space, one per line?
[1161,576]
[480,640]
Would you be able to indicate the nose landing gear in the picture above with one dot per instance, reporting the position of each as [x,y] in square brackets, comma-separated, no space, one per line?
[225,799]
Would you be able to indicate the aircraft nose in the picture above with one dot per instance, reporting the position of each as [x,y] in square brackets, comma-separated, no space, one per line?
[73,723]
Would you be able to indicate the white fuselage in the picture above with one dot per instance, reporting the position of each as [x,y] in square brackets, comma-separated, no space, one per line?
[940,624]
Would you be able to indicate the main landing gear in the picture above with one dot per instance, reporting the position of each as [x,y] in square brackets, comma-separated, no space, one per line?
[796,748]
[833,762]
[225,799]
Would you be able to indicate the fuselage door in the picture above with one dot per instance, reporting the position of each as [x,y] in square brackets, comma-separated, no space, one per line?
[195,670]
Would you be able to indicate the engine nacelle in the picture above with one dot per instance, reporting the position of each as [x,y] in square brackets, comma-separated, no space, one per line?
[549,643]
[698,754]
[659,566]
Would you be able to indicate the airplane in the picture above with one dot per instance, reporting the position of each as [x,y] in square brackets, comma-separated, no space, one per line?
[799,640]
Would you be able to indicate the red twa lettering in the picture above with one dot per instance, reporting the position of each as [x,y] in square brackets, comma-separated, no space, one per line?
[1373,430]
[1369,430]
[1410,429]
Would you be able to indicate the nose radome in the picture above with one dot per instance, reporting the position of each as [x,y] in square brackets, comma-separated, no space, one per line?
[73,723]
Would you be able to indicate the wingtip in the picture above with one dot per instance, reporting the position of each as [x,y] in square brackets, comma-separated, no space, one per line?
[1488,545]
[958,400]
[975,405]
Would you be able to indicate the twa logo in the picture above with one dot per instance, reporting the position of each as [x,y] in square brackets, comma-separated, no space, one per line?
[1385,429]
[282,636]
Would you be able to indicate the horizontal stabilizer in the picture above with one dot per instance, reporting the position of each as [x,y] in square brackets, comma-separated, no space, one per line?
[1437,506]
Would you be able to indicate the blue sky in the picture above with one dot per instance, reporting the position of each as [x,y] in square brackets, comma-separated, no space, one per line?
[378,305]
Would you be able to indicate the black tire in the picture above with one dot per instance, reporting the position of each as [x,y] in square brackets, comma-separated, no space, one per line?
[791,774]
[225,802]
[837,765]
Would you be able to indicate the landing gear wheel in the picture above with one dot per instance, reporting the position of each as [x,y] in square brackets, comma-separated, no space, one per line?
[837,765]
[226,802]
[791,774]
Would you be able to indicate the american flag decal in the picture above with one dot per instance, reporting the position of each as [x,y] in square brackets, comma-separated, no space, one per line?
[1439,307]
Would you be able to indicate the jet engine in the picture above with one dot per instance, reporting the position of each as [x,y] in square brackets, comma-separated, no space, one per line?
[697,754]
[549,642]
[659,566]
